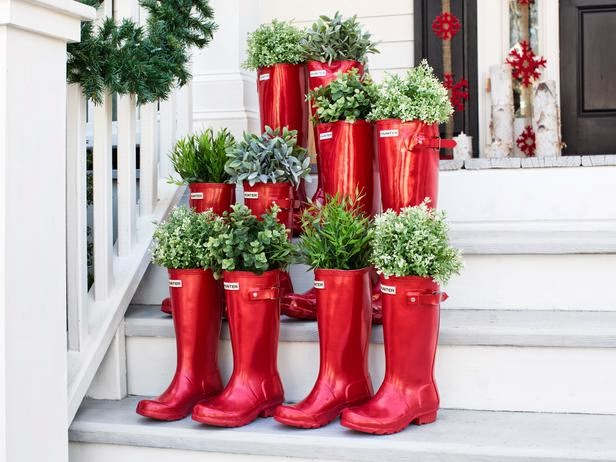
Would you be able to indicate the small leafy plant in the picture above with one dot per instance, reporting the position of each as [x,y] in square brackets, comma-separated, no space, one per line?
[275,43]
[181,242]
[246,243]
[201,158]
[417,96]
[336,235]
[414,243]
[272,157]
[350,97]
[338,39]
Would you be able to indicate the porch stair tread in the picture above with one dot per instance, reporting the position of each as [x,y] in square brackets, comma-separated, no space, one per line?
[456,436]
[543,328]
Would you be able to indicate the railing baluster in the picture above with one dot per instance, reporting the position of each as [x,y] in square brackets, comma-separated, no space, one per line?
[168,134]
[76,217]
[148,159]
[127,187]
[184,110]
[103,200]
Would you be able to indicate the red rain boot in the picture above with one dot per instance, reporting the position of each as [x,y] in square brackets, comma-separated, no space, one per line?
[343,300]
[410,330]
[196,320]
[255,387]
[203,196]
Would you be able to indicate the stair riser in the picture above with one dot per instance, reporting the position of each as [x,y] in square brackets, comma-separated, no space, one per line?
[469,377]
[561,282]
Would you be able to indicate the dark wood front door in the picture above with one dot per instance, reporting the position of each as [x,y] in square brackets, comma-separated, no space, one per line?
[588,75]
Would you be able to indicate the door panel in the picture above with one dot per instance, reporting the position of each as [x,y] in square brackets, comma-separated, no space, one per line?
[588,75]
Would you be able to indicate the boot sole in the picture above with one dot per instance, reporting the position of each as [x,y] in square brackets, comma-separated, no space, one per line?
[265,410]
[421,420]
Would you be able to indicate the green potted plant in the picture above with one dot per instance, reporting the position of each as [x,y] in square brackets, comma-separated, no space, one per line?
[275,51]
[251,252]
[200,161]
[407,112]
[269,166]
[335,241]
[181,245]
[411,251]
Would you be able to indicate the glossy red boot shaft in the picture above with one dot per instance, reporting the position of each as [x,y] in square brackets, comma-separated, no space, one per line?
[255,387]
[216,196]
[260,198]
[344,322]
[282,99]
[346,153]
[408,164]
[197,319]
[408,393]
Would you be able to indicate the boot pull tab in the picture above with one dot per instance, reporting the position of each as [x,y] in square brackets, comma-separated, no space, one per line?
[270,293]
[437,143]
[417,298]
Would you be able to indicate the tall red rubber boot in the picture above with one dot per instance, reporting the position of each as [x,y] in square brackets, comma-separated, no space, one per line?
[343,301]
[197,318]
[410,329]
[204,196]
[255,388]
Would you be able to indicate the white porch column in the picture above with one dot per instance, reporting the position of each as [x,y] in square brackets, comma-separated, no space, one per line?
[33,343]
[224,94]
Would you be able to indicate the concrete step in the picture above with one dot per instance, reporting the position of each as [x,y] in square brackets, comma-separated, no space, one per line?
[111,430]
[544,361]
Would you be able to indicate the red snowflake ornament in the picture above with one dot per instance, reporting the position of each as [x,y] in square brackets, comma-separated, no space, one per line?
[526,141]
[459,91]
[445,26]
[525,63]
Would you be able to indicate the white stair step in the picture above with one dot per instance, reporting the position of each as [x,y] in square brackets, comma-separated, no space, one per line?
[111,430]
[544,361]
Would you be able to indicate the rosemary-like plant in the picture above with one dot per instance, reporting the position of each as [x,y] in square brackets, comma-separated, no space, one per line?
[275,43]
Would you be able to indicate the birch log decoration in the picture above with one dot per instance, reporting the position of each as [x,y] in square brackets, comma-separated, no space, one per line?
[519,125]
[546,120]
[464,146]
[501,93]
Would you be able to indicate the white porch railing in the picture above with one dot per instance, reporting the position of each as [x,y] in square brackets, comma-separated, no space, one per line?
[95,314]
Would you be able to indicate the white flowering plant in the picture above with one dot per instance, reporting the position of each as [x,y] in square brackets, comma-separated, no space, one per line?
[417,96]
[181,242]
[246,243]
[414,242]
[275,43]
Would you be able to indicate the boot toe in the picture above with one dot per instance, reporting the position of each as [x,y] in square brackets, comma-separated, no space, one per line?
[160,411]
[290,415]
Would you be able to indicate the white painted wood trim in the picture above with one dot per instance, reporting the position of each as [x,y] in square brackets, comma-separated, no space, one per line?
[103,200]
[148,158]
[127,177]
[76,217]
[110,379]
[168,134]
[548,29]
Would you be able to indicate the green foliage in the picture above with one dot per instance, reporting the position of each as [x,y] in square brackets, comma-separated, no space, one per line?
[148,61]
[269,158]
[275,43]
[418,96]
[248,244]
[182,242]
[350,97]
[414,243]
[201,158]
[338,39]
[336,235]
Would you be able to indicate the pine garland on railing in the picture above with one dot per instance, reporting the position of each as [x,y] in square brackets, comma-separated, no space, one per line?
[147,61]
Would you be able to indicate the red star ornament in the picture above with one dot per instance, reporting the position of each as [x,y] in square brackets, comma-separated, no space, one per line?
[445,26]
[526,141]
[525,63]
[459,91]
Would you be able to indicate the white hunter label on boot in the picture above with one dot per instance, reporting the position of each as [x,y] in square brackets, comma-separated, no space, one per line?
[196,195]
[389,290]
[326,136]
[318,73]
[263,77]
[388,133]
[251,194]
[232,285]
[175,283]
[319,284]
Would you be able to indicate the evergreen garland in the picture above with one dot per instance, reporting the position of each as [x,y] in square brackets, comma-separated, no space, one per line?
[147,61]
